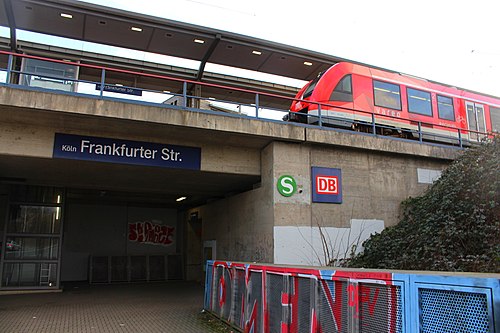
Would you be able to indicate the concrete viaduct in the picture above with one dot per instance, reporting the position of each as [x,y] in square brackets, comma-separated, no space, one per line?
[233,205]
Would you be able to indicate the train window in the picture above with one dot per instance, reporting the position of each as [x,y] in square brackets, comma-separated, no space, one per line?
[445,108]
[495,119]
[387,95]
[343,90]
[309,90]
[419,102]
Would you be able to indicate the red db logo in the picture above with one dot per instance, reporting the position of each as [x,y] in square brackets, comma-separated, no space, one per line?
[327,185]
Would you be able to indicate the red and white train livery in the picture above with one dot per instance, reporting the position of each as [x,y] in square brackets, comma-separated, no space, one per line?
[352,95]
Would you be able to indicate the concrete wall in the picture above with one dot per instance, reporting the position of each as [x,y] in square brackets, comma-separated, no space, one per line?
[373,183]
[3,212]
[377,173]
[241,225]
[102,230]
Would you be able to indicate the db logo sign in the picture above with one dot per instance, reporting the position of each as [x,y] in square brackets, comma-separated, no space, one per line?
[327,185]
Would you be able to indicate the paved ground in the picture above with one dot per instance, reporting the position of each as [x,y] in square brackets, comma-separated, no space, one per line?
[132,308]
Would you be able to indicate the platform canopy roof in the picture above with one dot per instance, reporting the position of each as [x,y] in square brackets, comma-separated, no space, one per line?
[110,26]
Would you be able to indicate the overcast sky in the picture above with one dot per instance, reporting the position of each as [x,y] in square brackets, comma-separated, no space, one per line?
[451,41]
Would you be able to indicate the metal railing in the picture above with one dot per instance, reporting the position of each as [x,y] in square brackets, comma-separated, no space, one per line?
[372,123]
[262,298]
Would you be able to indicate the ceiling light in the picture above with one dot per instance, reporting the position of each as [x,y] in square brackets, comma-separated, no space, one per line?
[180,199]
[136,29]
[307,63]
[68,16]
[199,41]
[256,52]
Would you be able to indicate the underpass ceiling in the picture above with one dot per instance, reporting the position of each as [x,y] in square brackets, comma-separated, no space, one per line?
[107,182]
[125,183]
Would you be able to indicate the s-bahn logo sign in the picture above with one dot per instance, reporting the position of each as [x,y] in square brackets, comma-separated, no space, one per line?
[326,185]
[109,150]
[286,185]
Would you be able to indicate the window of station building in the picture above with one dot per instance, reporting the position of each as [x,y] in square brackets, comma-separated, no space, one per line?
[387,95]
[343,90]
[48,75]
[445,107]
[495,119]
[419,102]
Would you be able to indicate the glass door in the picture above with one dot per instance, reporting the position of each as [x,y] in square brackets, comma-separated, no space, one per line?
[475,120]
[32,239]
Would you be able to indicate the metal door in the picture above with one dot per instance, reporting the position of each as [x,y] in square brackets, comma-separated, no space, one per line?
[475,120]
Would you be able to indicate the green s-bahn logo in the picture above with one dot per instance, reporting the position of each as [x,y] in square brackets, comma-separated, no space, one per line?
[286,186]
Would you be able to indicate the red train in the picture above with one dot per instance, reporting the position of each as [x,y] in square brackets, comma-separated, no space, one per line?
[352,95]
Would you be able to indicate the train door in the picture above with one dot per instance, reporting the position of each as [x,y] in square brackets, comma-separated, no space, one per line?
[475,120]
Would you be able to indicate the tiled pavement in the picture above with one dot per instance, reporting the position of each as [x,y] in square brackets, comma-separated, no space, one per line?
[130,308]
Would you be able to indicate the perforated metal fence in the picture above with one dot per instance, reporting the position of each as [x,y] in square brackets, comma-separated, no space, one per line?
[278,299]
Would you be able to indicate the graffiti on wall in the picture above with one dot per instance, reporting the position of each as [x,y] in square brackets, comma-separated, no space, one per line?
[149,232]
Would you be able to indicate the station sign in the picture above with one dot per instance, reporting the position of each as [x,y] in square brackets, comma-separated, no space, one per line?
[326,185]
[119,89]
[90,148]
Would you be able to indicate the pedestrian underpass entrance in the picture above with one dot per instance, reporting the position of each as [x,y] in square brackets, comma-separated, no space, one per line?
[132,228]
[108,241]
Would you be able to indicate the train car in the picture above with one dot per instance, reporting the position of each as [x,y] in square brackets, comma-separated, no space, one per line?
[356,96]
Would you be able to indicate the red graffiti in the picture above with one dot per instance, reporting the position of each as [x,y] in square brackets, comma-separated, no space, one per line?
[285,302]
[150,233]
[250,325]
[342,296]
[222,291]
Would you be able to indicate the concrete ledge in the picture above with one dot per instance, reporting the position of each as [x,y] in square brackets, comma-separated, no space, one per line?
[92,106]
[214,124]
[383,144]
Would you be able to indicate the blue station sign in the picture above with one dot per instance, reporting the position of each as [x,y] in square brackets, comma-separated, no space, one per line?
[119,89]
[109,150]
[326,185]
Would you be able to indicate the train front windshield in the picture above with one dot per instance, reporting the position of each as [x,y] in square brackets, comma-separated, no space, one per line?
[308,92]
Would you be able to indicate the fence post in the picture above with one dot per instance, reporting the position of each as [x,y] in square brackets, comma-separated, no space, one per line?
[9,68]
[103,79]
[256,105]
[420,132]
[184,94]
[460,138]
[320,122]
[374,128]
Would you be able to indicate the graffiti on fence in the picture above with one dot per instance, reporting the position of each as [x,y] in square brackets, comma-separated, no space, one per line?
[271,299]
[279,299]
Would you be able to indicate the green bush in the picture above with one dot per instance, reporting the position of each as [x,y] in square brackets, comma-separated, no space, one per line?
[454,226]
